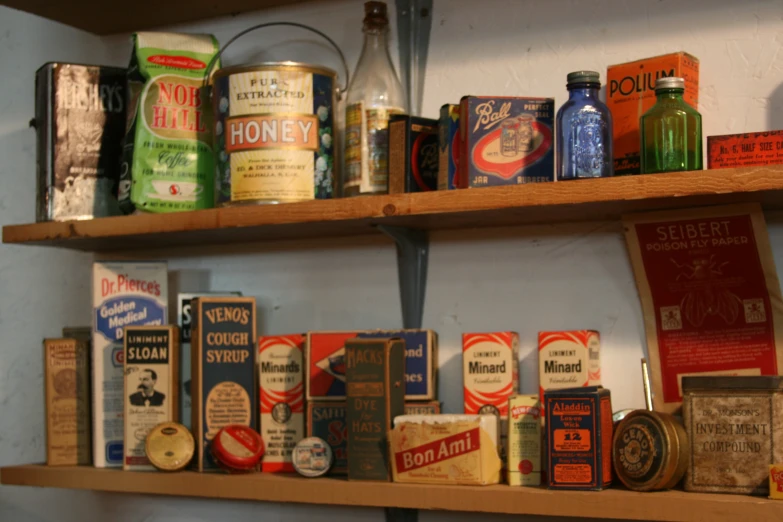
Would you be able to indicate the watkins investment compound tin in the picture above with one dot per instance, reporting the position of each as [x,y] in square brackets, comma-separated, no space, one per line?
[274,133]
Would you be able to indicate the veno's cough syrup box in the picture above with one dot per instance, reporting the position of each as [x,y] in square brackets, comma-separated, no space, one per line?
[630,92]
[124,294]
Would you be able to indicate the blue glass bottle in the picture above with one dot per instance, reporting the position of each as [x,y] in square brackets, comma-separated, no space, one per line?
[584,130]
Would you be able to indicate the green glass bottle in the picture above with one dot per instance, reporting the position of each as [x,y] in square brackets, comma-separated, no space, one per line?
[671,131]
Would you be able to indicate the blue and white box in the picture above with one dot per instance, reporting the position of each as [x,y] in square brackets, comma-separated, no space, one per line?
[421,361]
[124,294]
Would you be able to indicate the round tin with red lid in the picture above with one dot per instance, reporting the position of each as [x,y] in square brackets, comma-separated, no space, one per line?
[237,448]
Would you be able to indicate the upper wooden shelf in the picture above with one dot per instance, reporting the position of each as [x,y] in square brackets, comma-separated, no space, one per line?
[603,505]
[100,17]
[584,200]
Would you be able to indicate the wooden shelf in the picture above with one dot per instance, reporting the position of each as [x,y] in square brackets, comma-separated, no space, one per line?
[608,504]
[98,17]
[585,200]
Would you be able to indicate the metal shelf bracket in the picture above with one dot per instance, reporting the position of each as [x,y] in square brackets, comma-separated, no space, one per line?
[413,248]
[414,24]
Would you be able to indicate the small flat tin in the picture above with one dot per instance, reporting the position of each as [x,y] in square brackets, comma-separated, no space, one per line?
[312,457]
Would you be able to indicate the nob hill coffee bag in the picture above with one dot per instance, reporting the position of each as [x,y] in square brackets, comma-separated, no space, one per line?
[223,373]
[124,294]
[167,160]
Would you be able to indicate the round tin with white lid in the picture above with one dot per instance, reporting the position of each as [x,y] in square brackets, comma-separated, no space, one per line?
[312,457]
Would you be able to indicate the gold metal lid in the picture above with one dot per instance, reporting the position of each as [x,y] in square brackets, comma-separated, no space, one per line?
[170,446]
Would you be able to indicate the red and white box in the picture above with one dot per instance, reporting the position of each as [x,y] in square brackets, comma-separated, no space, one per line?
[490,366]
[281,388]
[568,360]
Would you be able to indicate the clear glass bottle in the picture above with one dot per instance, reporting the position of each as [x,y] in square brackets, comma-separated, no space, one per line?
[670,131]
[374,94]
[584,130]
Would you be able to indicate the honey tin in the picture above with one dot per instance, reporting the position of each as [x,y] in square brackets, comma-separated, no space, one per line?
[124,294]
[505,141]
[67,390]
[630,92]
[274,133]
[448,147]
[568,360]
[151,387]
[734,425]
[281,388]
[413,154]
[375,376]
[490,366]
[421,360]
[224,370]
[184,321]
[237,448]
[312,457]
[326,420]
[755,149]
[650,450]
[445,449]
[579,438]
[524,440]
[170,446]
[79,123]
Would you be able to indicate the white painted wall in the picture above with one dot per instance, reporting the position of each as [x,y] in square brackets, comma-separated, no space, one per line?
[526,279]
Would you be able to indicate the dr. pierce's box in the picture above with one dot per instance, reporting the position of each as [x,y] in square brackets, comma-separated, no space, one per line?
[124,294]
[224,375]
[151,387]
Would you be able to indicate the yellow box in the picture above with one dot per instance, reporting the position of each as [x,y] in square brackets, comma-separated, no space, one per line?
[524,440]
[776,481]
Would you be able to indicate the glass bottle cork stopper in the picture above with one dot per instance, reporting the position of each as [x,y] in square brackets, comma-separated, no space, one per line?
[669,83]
[375,15]
[583,77]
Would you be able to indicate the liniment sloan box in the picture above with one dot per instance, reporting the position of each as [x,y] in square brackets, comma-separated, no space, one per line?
[124,294]
[505,141]
[223,344]
[490,365]
[151,388]
[281,387]
[630,92]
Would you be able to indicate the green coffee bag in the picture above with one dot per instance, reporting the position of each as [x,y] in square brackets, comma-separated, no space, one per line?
[167,159]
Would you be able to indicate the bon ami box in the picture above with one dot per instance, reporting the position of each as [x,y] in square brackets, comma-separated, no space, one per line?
[326,362]
[630,92]
[281,388]
[568,359]
[756,149]
[184,321]
[326,420]
[490,363]
[151,387]
[375,383]
[124,294]
[505,141]
[223,345]
[579,438]
[413,154]
[67,389]
[445,449]
[448,147]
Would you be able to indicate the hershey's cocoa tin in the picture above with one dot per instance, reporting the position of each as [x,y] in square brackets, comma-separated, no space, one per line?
[79,122]
[650,451]
[735,425]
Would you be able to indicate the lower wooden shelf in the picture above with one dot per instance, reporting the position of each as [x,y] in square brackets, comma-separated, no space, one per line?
[604,505]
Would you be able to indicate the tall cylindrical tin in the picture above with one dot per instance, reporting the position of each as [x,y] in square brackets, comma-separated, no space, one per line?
[274,133]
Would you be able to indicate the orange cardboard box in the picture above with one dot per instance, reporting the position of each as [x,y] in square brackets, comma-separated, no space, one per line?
[630,92]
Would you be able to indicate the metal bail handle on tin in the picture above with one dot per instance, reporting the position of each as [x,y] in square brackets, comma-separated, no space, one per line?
[340,91]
